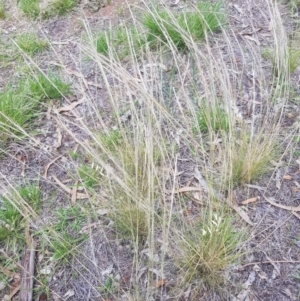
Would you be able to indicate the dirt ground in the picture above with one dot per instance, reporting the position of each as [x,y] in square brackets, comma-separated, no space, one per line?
[271,267]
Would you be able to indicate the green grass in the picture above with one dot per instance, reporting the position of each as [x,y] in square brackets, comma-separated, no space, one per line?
[30,8]
[61,7]
[32,195]
[212,117]
[292,58]
[165,27]
[111,140]
[162,29]
[294,5]
[70,219]
[64,248]
[131,220]
[131,210]
[120,42]
[31,44]
[2,10]
[18,107]
[51,87]
[102,44]
[90,176]
[12,220]
[107,287]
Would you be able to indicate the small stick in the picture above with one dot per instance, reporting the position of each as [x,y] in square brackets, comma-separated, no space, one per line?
[270,262]
[27,273]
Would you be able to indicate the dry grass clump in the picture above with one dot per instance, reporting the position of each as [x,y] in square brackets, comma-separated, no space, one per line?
[246,158]
[209,248]
[132,186]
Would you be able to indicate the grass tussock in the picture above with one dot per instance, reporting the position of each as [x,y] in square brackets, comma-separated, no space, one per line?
[120,41]
[162,27]
[209,248]
[59,8]
[17,109]
[12,220]
[247,158]
[20,106]
[50,87]
[292,58]
[62,6]
[211,116]
[133,192]
[30,8]
[168,28]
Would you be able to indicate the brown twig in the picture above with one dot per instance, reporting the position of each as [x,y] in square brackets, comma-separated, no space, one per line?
[27,274]
[268,262]
[289,208]
[49,164]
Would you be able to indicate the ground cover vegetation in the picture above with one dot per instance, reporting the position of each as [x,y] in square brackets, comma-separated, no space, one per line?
[32,8]
[128,153]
